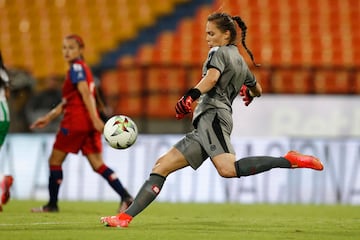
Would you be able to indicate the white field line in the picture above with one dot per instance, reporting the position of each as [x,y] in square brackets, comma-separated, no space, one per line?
[40,223]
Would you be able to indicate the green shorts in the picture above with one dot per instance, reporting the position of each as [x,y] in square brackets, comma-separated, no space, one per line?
[4,129]
[211,138]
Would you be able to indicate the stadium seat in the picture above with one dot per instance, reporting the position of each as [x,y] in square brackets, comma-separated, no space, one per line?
[182,53]
[164,87]
[145,54]
[163,48]
[263,77]
[291,81]
[110,90]
[356,83]
[332,81]
[122,91]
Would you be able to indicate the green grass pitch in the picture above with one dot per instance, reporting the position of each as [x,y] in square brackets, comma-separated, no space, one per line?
[80,220]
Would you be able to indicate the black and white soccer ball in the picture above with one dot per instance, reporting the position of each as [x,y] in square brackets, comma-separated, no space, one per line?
[120,132]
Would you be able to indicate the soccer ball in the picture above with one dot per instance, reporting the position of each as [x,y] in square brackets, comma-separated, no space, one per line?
[120,132]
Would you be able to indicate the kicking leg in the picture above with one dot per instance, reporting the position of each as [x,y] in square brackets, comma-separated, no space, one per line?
[253,165]
[168,163]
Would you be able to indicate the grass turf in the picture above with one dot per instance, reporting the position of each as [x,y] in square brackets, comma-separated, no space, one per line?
[80,220]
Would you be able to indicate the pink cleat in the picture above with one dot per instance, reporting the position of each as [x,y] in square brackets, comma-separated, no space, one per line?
[299,160]
[121,220]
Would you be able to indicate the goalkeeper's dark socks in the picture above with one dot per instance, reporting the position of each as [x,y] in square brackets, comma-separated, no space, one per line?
[147,194]
[113,180]
[55,179]
[254,165]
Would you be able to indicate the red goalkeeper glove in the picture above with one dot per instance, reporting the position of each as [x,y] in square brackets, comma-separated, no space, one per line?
[245,93]
[183,106]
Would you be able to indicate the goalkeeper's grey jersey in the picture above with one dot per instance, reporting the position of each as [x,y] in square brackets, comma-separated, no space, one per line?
[234,73]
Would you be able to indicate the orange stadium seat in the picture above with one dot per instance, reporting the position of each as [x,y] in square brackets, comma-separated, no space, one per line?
[165,86]
[355,51]
[291,81]
[110,89]
[122,91]
[182,52]
[332,81]
[263,77]
[356,83]
[163,48]
[130,85]
[145,54]
[199,46]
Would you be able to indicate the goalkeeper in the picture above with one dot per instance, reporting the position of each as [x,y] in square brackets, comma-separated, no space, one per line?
[225,75]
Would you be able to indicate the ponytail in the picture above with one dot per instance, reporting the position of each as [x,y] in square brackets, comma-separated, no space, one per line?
[243,28]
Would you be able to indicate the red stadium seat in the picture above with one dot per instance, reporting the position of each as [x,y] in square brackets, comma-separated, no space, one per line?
[145,54]
[263,77]
[122,91]
[291,81]
[332,81]
[165,86]
[163,48]
[356,83]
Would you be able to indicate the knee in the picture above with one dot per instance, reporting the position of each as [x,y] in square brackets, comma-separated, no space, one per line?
[162,167]
[159,167]
[224,164]
[226,171]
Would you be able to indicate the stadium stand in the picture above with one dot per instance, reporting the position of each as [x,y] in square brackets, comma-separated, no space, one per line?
[32,31]
[152,51]
[310,51]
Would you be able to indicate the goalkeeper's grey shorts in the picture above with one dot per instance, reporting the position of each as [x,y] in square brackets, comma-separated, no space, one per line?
[209,139]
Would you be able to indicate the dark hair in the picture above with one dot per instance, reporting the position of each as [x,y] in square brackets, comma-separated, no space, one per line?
[225,22]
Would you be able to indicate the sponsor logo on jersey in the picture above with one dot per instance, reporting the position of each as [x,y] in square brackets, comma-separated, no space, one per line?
[77,67]
[79,70]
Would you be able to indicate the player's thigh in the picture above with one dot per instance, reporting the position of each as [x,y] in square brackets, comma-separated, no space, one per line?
[191,149]
[92,149]
[171,161]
